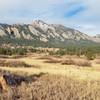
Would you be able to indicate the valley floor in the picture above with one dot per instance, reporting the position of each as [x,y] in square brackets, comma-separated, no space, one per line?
[73,71]
[46,78]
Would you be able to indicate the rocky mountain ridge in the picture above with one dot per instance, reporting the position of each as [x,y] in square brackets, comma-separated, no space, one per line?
[41,32]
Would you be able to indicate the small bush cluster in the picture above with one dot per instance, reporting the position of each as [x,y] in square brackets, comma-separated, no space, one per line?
[90,52]
[98,61]
[68,62]
[82,63]
[5,63]
[19,50]
[13,51]
[52,61]
[90,56]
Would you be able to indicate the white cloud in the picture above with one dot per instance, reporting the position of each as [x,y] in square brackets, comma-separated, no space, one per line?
[12,11]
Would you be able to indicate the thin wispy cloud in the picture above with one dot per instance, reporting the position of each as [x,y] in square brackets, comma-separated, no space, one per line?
[83,15]
[74,10]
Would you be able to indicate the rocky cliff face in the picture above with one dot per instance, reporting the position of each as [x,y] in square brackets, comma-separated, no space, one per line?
[42,32]
[97,36]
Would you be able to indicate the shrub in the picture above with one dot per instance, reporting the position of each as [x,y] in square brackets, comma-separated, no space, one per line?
[90,56]
[52,52]
[21,51]
[83,63]
[33,50]
[61,52]
[4,63]
[68,62]
[98,62]
[13,51]
[52,61]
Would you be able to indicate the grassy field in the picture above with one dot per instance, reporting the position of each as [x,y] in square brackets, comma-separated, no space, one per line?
[65,77]
[38,63]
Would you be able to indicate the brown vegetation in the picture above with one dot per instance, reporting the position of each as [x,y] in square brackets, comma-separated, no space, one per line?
[68,62]
[98,61]
[82,63]
[52,61]
[53,87]
[5,63]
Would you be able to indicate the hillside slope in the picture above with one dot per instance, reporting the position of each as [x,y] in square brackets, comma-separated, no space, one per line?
[40,33]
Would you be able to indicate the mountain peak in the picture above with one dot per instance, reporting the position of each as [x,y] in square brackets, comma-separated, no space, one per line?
[39,22]
[41,32]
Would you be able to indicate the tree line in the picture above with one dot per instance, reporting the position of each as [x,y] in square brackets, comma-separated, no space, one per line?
[89,51]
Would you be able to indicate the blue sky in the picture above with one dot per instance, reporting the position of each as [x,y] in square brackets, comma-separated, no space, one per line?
[83,15]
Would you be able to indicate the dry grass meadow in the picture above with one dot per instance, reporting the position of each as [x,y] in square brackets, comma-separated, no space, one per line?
[63,78]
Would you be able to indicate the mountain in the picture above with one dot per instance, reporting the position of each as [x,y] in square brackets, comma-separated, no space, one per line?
[97,36]
[39,33]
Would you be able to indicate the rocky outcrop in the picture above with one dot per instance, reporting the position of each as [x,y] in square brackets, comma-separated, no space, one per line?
[40,31]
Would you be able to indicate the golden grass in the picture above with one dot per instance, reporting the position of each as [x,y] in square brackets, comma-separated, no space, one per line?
[55,87]
[64,81]
[86,73]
